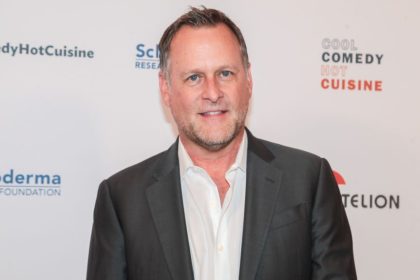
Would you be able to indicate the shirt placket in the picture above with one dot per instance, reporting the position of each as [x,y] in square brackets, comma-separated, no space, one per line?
[222,259]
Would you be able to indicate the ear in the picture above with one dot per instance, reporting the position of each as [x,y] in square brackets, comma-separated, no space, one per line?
[249,80]
[164,87]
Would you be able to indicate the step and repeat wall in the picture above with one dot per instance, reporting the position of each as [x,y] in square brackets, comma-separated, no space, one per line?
[79,101]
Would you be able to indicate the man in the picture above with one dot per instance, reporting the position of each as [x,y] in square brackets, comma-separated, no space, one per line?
[219,203]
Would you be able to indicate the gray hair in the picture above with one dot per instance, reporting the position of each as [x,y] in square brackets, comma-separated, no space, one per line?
[197,18]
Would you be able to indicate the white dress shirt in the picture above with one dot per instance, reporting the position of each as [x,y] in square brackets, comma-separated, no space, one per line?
[214,230]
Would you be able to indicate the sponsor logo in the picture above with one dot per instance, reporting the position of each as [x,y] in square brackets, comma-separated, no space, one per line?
[14,183]
[45,50]
[338,58]
[367,201]
[147,57]
[339,178]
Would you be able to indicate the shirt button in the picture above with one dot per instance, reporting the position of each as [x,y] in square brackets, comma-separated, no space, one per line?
[220,248]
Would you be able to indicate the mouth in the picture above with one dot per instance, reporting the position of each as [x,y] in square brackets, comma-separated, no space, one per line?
[213,113]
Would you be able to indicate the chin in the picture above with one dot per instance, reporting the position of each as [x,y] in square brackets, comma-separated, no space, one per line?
[215,139]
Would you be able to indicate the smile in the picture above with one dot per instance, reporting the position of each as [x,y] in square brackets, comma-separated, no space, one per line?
[213,113]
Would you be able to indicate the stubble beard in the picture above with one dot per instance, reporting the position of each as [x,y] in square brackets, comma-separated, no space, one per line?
[213,143]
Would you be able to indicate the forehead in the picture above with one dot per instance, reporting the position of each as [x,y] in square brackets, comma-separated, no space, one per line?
[197,43]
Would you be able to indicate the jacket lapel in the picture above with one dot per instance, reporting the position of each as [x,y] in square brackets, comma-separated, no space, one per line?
[165,202]
[262,188]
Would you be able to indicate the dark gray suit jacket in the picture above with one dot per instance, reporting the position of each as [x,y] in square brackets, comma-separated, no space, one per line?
[295,226]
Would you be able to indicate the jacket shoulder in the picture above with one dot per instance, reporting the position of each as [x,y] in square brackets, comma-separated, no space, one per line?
[296,163]
[139,171]
[292,155]
[141,175]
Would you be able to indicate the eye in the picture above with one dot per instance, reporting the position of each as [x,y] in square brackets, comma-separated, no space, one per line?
[226,74]
[193,77]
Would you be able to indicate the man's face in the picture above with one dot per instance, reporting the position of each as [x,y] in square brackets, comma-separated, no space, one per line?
[207,87]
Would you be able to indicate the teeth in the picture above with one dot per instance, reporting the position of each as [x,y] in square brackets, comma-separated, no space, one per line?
[212,113]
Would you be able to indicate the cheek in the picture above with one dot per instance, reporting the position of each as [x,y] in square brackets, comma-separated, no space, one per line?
[242,96]
[180,105]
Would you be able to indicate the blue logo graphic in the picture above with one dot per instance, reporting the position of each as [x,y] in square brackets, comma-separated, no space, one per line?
[147,57]
[13,183]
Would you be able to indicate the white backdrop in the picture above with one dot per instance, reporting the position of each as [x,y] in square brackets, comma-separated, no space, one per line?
[67,122]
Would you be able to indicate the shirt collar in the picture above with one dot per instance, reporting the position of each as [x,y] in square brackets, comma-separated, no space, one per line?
[185,161]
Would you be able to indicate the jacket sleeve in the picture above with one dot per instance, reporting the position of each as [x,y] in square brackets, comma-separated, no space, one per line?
[106,254]
[332,248]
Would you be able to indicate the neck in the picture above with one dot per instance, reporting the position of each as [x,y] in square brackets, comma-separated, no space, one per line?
[213,161]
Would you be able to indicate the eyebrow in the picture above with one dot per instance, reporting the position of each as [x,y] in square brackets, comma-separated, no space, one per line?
[197,71]
[236,69]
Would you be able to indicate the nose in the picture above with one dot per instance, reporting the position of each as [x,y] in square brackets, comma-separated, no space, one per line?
[212,90]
